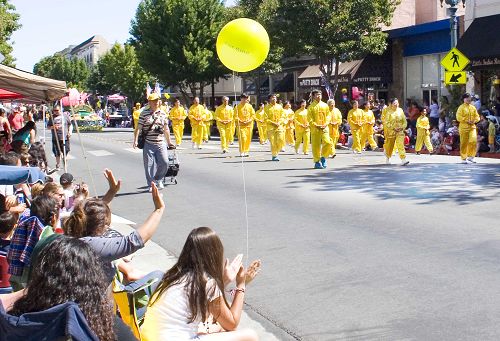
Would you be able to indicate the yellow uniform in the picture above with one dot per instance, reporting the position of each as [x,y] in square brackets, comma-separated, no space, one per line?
[245,116]
[423,135]
[224,116]
[318,115]
[336,120]
[207,124]
[233,125]
[468,117]
[177,116]
[135,116]
[289,127]
[302,130]
[275,119]
[355,119]
[261,125]
[367,129]
[196,113]
[395,120]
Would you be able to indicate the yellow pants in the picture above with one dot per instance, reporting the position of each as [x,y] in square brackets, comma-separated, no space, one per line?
[224,132]
[356,139]
[335,140]
[262,132]
[302,136]
[399,141]
[321,143]
[423,138]
[468,141]
[367,135]
[197,133]
[245,137]
[289,138]
[277,139]
[206,130]
[178,129]
[233,131]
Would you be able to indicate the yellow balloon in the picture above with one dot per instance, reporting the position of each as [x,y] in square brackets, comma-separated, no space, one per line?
[242,45]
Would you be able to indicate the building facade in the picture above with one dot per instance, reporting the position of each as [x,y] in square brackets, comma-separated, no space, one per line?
[90,50]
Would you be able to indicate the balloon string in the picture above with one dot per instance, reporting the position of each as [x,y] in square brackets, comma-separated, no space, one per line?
[244,179]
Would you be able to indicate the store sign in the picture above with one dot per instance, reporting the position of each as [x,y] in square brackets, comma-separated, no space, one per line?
[455,60]
[486,62]
[312,82]
[367,79]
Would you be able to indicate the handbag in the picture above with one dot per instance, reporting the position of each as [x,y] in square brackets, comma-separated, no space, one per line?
[141,139]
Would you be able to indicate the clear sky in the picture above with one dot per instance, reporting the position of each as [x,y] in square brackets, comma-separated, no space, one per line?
[52,25]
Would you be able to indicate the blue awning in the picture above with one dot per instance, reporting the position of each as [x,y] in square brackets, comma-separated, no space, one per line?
[419,29]
[12,175]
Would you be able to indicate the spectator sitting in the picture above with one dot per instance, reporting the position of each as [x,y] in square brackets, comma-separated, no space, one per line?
[453,130]
[492,131]
[66,181]
[38,157]
[379,133]
[8,221]
[24,137]
[194,288]
[57,278]
[36,189]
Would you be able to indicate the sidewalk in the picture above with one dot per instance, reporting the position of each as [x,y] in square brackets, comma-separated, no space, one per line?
[154,257]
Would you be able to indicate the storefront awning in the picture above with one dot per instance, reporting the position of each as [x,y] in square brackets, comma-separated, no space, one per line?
[286,84]
[311,75]
[481,43]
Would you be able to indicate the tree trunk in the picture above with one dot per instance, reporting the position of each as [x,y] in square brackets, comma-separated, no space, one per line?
[213,94]
[336,77]
[202,85]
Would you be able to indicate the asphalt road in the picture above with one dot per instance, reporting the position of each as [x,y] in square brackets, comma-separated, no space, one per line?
[359,251]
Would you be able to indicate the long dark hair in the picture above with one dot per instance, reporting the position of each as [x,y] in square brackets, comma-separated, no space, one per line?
[30,125]
[90,217]
[201,256]
[67,269]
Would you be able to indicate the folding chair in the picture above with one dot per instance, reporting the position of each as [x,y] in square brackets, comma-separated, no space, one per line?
[5,287]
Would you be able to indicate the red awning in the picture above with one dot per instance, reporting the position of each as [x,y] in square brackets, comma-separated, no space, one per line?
[5,94]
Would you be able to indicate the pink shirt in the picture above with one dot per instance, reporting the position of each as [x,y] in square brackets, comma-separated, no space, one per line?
[16,121]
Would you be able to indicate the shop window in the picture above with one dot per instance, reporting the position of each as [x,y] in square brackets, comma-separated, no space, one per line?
[430,71]
[413,77]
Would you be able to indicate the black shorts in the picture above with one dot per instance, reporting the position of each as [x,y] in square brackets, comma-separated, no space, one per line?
[55,150]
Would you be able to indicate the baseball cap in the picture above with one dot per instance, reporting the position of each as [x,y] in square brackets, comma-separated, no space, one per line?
[153,97]
[66,178]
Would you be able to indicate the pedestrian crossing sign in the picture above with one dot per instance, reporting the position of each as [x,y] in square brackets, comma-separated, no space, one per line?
[451,77]
[455,61]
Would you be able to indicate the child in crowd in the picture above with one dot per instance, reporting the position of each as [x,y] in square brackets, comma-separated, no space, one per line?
[492,130]
[66,181]
[379,133]
[194,288]
[8,221]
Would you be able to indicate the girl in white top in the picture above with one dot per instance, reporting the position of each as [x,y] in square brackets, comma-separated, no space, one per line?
[193,289]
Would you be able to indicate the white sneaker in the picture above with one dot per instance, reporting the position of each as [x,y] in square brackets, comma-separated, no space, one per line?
[242,154]
[471,160]
[387,161]
[464,161]
[160,184]
[404,162]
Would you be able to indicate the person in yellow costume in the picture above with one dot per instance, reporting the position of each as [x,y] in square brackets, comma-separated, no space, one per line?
[367,129]
[302,128]
[196,113]
[395,125]
[335,121]
[289,125]
[207,123]
[355,120]
[136,114]
[423,134]
[318,115]
[275,120]
[467,116]
[245,115]
[261,124]
[224,116]
[177,115]
[233,128]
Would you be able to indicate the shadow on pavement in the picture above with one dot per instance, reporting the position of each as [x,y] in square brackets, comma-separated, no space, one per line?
[426,183]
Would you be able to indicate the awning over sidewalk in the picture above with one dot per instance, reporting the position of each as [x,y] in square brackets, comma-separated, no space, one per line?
[286,84]
[311,75]
[481,43]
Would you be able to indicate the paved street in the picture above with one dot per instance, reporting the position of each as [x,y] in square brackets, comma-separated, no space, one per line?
[359,251]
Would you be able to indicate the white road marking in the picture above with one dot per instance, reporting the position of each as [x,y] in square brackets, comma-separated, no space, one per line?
[134,150]
[100,152]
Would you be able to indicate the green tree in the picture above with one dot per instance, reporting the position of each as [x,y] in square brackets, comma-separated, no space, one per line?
[175,41]
[9,23]
[74,71]
[333,31]
[119,71]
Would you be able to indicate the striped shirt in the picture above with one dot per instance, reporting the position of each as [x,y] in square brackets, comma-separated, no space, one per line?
[154,134]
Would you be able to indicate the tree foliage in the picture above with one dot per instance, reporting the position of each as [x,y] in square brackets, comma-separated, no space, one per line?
[175,41]
[74,71]
[333,31]
[9,23]
[119,71]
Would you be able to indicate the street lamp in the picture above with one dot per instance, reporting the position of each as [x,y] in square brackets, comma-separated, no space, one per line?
[453,18]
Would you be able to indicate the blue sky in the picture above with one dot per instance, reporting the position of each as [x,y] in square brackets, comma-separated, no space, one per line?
[51,25]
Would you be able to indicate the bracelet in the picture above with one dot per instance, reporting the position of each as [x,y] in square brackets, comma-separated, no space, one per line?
[235,290]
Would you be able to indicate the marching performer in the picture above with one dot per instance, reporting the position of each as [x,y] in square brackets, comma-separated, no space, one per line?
[207,123]
[319,119]
[177,116]
[335,121]
[423,134]
[355,119]
[468,117]
[245,116]
[302,129]
[289,124]
[224,116]
[196,113]
[394,126]
[367,129]
[261,124]
[275,120]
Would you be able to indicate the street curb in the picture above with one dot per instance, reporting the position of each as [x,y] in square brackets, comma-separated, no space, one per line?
[153,257]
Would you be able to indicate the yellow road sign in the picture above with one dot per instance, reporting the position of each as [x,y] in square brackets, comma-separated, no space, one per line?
[455,60]
[458,77]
